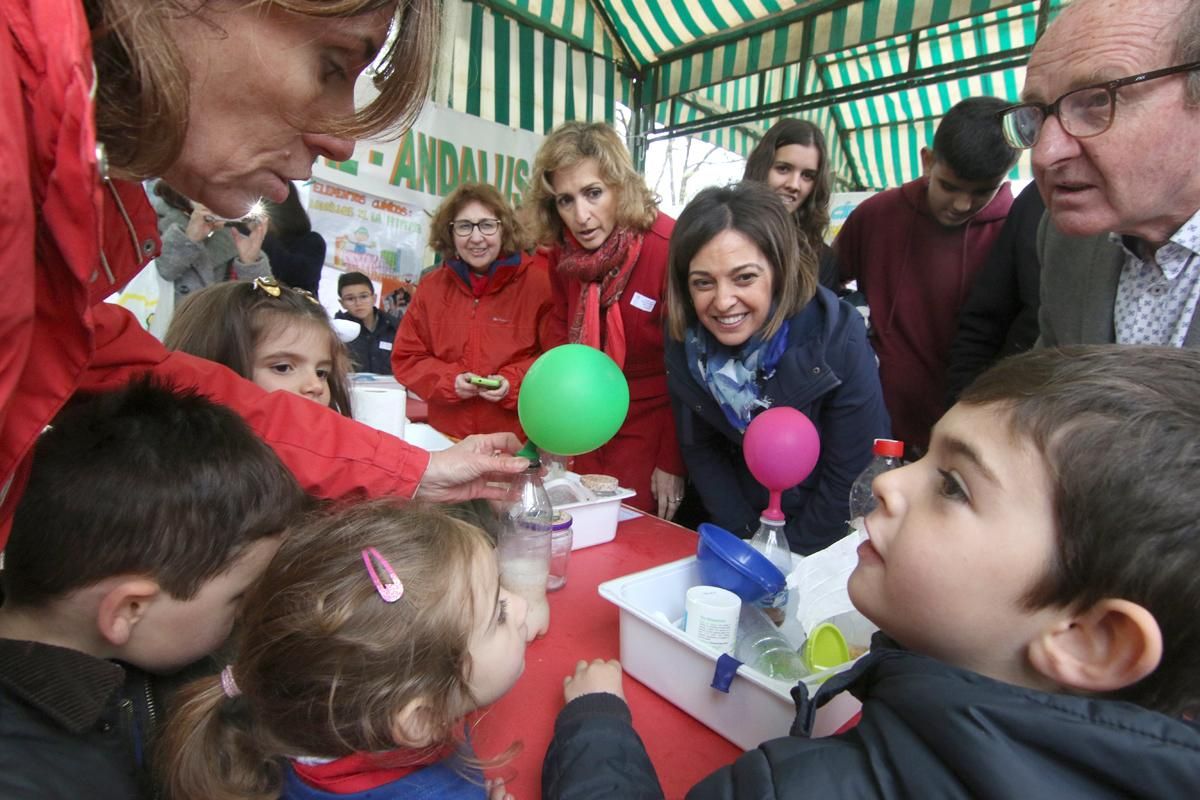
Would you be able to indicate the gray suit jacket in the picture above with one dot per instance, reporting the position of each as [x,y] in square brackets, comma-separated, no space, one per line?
[1079,289]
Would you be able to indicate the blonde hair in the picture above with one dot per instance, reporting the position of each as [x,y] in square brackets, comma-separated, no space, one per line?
[324,664]
[441,238]
[568,145]
[226,321]
[142,83]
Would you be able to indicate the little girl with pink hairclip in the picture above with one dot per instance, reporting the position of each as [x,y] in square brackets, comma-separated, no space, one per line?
[371,635]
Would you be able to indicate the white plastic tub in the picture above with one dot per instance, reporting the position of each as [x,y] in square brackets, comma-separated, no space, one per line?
[658,654]
[593,517]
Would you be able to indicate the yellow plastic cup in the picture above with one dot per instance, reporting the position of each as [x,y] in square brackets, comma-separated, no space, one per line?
[825,648]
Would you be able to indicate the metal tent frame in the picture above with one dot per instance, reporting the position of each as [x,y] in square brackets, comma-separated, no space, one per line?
[875,75]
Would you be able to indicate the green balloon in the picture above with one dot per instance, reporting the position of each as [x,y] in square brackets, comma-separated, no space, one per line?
[573,400]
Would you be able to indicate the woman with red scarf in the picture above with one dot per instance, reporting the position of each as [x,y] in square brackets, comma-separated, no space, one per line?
[607,245]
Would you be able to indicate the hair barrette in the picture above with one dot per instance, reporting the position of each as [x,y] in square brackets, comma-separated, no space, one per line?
[391,591]
[307,295]
[268,285]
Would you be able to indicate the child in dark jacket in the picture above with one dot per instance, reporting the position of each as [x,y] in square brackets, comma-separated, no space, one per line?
[371,350]
[1034,576]
[146,515]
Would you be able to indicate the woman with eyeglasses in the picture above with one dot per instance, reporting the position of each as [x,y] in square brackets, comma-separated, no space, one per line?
[608,266]
[476,323]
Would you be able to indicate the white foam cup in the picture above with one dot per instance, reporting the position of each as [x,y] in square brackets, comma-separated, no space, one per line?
[711,617]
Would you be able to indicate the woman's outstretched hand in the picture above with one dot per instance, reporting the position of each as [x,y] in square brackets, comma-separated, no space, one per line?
[463,472]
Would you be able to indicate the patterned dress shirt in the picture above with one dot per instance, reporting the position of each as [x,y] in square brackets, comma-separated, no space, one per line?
[1157,297]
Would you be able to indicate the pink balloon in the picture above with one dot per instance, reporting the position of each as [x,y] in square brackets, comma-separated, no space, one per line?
[781,448]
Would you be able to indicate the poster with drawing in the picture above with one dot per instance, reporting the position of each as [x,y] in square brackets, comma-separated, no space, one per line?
[384,239]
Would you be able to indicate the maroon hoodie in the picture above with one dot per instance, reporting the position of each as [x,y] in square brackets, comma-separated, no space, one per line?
[915,274]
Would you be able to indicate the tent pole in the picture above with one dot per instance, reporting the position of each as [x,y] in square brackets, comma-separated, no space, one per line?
[642,121]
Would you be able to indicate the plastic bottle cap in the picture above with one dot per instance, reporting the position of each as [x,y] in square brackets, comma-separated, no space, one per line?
[891,448]
[825,648]
[530,452]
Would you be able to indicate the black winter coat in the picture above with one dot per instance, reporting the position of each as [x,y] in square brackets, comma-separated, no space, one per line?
[1000,317]
[927,730]
[372,350]
[297,262]
[73,726]
[828,373]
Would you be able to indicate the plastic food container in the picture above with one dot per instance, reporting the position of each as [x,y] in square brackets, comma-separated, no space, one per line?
[731,563]
[594,518]
[661,656]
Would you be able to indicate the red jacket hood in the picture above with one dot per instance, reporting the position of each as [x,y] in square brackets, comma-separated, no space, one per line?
[916,194]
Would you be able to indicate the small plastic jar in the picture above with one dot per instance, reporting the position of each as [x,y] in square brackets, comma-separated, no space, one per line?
[561,538]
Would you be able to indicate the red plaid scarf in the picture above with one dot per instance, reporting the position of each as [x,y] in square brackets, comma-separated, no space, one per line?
[602,274]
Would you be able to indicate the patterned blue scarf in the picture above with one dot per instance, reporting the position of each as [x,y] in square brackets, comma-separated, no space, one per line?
[734,376]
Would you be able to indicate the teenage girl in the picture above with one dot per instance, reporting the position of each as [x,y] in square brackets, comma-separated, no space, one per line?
[371,635]
[280,338]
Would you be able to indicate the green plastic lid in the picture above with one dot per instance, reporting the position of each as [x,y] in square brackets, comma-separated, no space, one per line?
[825,648]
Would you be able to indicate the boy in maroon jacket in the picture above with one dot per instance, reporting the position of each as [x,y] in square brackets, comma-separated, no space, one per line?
[915,251]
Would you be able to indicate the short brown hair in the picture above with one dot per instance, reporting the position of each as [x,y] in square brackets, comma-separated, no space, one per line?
[324,664]
[1119,429]
[142,85]
[812,217]
[566,146]
[441,238]
[754,211]
[226,321]
[144,480]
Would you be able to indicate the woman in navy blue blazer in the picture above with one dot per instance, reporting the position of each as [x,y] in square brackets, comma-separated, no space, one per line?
[749,328]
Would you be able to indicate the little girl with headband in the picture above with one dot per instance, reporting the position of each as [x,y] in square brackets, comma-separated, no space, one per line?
[371,635]
[278,337]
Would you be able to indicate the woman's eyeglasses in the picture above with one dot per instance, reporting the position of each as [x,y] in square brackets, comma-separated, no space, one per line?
[1082,113]
[462,228]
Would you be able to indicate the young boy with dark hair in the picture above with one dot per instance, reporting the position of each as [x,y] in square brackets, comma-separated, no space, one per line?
[1035,577]
[146,516]
[915,250]
[372,350]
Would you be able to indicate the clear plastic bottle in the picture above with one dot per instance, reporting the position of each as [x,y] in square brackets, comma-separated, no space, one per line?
[888,455]
[523,544]
[771,541]
[762,647]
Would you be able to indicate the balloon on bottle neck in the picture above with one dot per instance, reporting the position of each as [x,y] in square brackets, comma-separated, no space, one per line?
[774,509]
[573,399]
[781,448]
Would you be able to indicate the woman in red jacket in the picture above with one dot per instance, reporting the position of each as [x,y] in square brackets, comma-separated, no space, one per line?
[227,102]
[477,322]
[608,264]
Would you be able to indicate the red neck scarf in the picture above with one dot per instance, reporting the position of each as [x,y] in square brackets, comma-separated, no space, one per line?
[359,772]
[602,274]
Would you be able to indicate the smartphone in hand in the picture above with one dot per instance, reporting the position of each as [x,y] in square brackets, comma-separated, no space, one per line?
[487,383]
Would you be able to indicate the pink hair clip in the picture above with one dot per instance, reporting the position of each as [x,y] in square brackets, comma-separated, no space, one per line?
[391,591]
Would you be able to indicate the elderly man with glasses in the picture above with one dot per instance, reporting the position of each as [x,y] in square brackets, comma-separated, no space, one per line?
[1112,112]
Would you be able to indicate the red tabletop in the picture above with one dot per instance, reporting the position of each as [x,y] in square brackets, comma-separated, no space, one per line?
[584,626]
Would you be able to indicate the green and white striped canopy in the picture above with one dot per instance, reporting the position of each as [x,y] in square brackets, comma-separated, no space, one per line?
[876,75]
